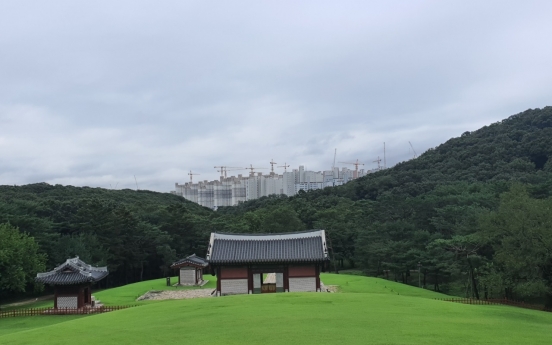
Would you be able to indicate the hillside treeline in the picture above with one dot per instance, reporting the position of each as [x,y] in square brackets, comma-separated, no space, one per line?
[472,215]
[137,234]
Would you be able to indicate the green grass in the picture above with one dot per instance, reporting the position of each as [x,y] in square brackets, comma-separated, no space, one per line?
[362,284]
[301,318]
[367,311]
[18,324]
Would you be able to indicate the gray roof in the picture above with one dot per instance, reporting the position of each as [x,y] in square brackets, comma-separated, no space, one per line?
[72,271]
[309,246]
[192,260]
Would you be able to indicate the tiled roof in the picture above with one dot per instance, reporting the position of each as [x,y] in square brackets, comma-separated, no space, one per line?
[192,260]
[269,248]
[72,271]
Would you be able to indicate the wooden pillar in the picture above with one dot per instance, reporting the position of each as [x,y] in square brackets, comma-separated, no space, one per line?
[80,296]
[55,297]
[286,278]
[218,269]
[249,279]
[317,272]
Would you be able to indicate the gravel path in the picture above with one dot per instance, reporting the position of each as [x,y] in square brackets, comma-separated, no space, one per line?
[202,293]
[178,294]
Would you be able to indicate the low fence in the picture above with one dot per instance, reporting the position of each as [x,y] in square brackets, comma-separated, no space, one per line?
[496,301]
[61,311]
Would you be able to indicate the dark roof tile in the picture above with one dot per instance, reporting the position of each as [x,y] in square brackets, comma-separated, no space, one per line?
[72,271]
[293,247]
[192,260]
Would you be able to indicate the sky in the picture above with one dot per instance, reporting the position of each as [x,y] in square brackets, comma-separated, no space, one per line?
[96,93]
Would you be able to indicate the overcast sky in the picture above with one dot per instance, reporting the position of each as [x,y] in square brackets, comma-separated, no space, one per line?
[95,92]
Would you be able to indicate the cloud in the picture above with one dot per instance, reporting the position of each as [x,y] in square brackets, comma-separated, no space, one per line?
[95,93]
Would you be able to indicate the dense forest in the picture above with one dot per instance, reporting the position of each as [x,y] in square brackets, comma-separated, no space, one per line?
[473,215]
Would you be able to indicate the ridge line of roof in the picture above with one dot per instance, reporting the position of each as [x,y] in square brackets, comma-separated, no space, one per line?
[270,234]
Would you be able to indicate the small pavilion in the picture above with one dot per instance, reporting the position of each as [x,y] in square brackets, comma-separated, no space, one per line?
[72,283]
[190,270]
[293,261]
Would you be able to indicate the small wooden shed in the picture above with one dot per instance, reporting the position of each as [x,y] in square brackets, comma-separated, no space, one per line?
[72,283]
[190,270]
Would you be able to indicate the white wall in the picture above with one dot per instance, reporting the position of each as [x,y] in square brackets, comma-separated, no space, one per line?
[67,302]
[233,286]
[187,276]
[302,284]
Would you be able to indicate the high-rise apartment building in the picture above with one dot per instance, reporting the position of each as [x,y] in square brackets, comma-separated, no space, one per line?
[230,191]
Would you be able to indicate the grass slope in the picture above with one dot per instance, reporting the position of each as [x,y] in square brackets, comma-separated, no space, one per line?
[18,324]
[304,318]
[127,295]
[368,310]
[362,284]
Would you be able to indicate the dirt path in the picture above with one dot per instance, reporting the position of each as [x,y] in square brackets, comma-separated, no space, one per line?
[27,301]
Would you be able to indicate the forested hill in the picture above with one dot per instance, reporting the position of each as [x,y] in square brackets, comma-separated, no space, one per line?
[516,148]
[472,214]
[445,210]
[138,234]
[42,192]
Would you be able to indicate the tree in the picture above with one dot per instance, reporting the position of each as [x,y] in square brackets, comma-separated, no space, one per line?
[281,220]
[20,259]
[465,249]
[520,232]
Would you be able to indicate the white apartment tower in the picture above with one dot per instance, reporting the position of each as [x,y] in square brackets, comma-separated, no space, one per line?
[230,191]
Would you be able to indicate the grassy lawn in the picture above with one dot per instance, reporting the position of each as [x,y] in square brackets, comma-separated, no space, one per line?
[127,295]
[362,284]
[301,318]
[367,311]
[18,324]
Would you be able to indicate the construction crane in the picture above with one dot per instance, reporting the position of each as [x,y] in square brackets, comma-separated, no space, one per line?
[251,169]
[285,166]
[379,162]
[192,175]
[356,164]
[224,169]
[272,162]
[415,155]
[234,169]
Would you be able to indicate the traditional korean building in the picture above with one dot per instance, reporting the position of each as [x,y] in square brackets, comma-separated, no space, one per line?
[241,261]
[190,270]
[72,283]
